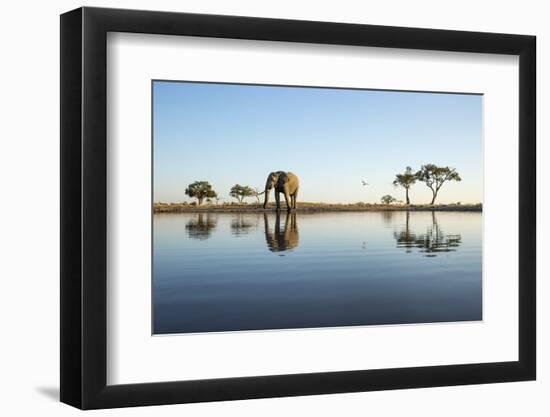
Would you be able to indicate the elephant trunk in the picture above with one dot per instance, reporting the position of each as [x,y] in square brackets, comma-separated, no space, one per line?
[266,198]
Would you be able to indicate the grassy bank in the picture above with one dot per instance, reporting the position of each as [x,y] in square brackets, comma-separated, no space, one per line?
[309,207]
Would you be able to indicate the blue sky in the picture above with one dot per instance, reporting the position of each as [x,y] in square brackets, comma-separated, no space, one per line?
[331,138]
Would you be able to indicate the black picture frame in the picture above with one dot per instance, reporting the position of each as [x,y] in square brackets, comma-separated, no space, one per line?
[84,207]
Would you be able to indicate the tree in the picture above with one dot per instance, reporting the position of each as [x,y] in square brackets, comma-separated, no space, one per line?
[257,194]
[200,190]
[240,192]
[405,180]
[388,199]
[434,177]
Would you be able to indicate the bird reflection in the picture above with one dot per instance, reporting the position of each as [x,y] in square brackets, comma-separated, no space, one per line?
[431,243]
[241,225]
[282,238]
[202,226]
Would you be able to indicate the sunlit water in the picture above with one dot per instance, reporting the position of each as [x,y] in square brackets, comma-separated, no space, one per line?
[237,271]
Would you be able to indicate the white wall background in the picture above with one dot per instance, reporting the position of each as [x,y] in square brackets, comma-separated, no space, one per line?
[29,220]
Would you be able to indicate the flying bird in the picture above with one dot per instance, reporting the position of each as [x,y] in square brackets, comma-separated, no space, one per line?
[364,183]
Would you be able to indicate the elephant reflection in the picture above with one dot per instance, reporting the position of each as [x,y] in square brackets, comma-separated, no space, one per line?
[431,243]
[201,227]
[285,238]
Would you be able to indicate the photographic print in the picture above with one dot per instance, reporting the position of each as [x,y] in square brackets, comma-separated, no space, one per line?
[294,207]
[364,228]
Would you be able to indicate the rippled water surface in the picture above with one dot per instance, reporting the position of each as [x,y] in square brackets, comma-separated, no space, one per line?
[252,271]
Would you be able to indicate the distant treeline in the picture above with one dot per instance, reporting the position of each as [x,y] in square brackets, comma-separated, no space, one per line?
[431,175]
[309,207]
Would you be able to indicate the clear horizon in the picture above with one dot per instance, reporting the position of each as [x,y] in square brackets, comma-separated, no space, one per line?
[333,139]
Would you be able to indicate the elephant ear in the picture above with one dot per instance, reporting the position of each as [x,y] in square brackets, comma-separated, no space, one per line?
[283,178]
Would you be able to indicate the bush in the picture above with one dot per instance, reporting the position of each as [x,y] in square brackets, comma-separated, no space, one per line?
[388,199]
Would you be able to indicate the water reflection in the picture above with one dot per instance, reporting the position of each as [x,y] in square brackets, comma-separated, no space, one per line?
[202,226]
[334,269]
[241,225]
[284,235]
[285,238]
[431,243]
[387,216]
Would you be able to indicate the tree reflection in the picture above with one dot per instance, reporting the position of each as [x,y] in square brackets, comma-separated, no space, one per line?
[431,243]
[285,238]
[387,216]
[202,226]
[240,225]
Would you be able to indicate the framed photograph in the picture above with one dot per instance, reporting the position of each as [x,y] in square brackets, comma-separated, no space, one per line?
[257,208]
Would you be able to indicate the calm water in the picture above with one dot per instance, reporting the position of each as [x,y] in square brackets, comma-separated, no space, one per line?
[236,271]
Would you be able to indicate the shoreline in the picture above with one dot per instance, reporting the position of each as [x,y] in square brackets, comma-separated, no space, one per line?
[160,208]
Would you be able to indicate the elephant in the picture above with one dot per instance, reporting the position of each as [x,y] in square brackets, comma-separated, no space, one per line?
[283,182]
[282,238]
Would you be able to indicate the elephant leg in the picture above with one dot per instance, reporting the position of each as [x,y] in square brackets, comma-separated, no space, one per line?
[277,200]
[294,198]
[287,227]
[288,201]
